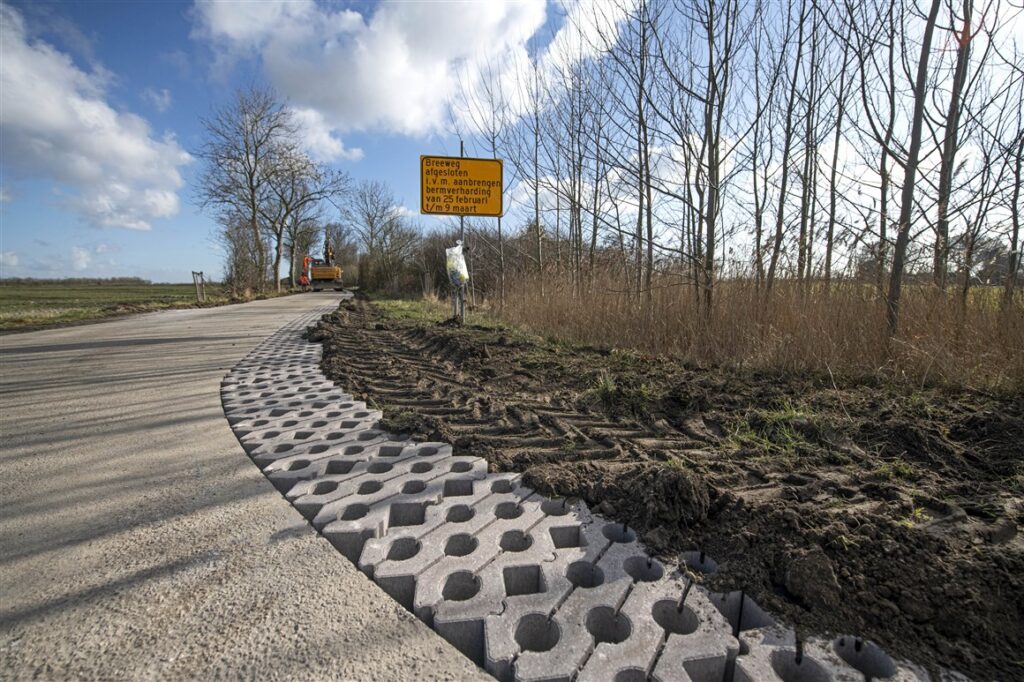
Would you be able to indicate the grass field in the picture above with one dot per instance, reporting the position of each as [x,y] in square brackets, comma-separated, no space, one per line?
[37,305]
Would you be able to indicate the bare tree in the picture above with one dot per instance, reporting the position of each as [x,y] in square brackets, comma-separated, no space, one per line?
[240,156]
[297,187]
[787,142]
[387,241]
[950,144]
[910,168]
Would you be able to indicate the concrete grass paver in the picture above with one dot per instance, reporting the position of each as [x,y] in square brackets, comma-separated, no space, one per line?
[137,539]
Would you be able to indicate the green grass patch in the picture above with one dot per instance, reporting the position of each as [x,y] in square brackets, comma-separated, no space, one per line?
[46,304]
[417,310]
[433,310]
[772,432]
[898,469]
[621,398]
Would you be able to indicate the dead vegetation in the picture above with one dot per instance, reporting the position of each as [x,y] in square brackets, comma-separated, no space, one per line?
[838,331]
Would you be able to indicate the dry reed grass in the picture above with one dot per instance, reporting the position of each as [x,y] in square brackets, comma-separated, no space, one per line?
[840,332]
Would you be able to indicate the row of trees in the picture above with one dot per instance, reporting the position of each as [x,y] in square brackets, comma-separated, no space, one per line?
[275,204]
[687,141]
[268,195]
[803,140]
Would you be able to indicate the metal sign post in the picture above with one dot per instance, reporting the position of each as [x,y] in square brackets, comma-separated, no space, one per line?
[200,283]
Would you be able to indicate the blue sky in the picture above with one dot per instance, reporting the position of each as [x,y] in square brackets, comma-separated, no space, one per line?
[101,102]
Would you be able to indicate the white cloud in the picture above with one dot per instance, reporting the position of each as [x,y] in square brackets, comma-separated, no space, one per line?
[5,195]
[8,259]
[391,70]
[80,258]
[160,99]
[319,140]
[55,123]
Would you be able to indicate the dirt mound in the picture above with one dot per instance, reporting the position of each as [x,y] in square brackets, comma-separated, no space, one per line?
[859,509]
[644,494]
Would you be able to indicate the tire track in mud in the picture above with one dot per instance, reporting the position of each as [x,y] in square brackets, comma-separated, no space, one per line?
[416,371]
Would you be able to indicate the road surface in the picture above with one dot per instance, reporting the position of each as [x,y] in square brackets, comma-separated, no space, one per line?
[137,540]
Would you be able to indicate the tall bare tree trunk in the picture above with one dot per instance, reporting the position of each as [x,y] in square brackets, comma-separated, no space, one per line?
[803,266]
[910,177]
[834,171]
[787,146]
[949,149]
[1015,245]
[536,177]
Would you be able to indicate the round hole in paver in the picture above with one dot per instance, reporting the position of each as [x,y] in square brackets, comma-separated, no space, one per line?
[537,632]
[413,487]
[426,451]
[290,422]
[324,487]
[380,468]
[461,467]
[317,449]
[353,450]
[584,574]
[260,422]
[298,464]
[369,487]
[460,545]
[360,415]
[631,675]
[555,507]
[403,549]
[353,512]
[421,467]
[508,510]
[789,669]
[368,435]
[865,656]
[460,513]
[643,569]
[460,586]
[502,487]
[674,621]
[515,541]
[283,447]
[606,625]
[618,532]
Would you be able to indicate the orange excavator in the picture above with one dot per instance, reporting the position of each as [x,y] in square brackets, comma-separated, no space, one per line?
[320,274]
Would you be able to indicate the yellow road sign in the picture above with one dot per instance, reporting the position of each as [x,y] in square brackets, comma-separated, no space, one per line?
[452,185]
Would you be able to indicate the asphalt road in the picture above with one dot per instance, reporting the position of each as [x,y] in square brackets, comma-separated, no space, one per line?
[138,541]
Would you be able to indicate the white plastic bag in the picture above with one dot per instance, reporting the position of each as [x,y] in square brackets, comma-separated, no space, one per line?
[455,263]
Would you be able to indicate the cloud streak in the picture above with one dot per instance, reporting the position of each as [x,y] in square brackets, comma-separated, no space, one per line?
[160,99]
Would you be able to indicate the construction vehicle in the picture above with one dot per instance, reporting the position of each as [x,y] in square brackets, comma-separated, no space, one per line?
[322,273]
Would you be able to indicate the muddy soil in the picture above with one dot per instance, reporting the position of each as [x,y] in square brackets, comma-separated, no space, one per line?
[859,509]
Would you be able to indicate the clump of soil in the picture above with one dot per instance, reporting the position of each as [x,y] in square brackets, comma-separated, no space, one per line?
[861,509]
